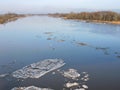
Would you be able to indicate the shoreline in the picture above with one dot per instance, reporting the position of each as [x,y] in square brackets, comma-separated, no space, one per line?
[105,17]
[105,22]
[5,18]
[98,21]
[90,21]
[9,17]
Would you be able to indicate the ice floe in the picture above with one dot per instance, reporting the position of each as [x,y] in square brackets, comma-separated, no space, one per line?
[30,88]
[80,89]
[36,70]
[85,86]
[69,85]
[85,76]
[71,73]
[3,75]
[75,80]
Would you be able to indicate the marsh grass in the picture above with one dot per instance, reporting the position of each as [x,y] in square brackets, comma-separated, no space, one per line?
[5,18]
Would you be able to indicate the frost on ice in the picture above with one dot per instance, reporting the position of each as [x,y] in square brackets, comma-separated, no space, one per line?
[30,88]
[36,70]
[73,78]
[71,73]
[69,85]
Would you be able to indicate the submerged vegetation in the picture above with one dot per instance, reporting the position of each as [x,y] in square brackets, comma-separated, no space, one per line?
[100,17]
[5,18]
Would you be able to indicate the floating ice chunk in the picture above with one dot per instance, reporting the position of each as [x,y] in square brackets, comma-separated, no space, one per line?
[3,75]
[86,76]
[30,88]
[36,70]
[71,73]
[84,72]
[86,79]
[80,89]
[85,86]
[69,85]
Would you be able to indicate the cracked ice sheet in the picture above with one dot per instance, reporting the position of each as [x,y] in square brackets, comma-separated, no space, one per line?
[36,70]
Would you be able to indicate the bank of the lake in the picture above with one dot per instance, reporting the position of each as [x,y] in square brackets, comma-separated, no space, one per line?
[5,18]
[107,17]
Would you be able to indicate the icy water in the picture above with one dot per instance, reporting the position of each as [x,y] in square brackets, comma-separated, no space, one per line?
[87,47]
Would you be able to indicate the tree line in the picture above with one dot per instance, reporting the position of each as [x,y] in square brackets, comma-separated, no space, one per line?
[101,15]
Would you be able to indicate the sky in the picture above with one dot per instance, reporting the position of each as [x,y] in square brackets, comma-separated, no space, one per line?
[43,6]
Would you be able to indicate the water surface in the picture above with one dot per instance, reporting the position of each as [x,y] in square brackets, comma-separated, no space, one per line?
[89,47]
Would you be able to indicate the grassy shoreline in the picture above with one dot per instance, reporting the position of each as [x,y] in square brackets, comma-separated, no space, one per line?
[107,17]
[96,21]
[5,18]
[106,22]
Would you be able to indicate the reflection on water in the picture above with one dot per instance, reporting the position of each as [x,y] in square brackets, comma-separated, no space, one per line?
[89,47]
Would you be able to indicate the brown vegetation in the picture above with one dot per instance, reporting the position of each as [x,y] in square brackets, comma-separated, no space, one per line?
[9,17]
[100,17]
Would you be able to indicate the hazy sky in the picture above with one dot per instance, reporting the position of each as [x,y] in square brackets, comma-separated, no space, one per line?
[48,5]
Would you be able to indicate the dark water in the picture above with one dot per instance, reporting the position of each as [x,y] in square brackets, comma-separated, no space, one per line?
[89,47]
